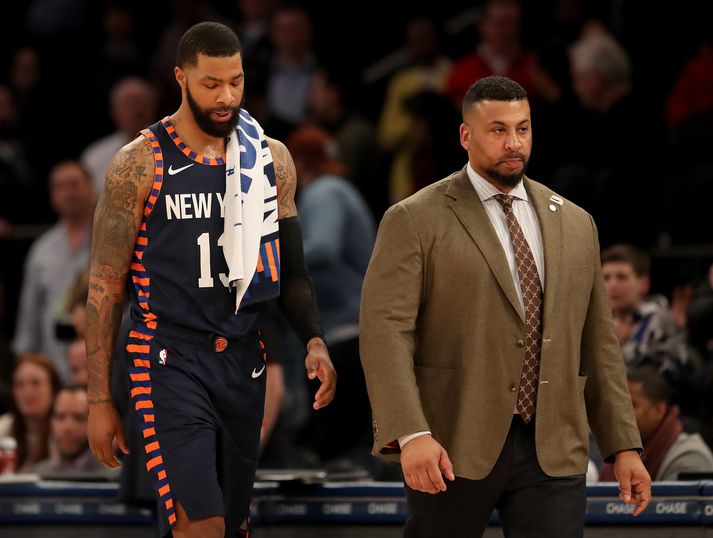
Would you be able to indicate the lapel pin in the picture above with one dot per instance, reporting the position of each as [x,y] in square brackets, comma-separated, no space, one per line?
[553,207]
[557,199]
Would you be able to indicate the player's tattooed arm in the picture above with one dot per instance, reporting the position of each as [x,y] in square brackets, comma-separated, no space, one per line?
[285,178]
[117,219]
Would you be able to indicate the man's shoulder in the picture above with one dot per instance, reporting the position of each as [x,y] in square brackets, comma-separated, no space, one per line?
[110,143]
[690,442]
[47,242]
[427,196]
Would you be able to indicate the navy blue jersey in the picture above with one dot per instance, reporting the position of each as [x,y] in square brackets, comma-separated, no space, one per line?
[178,272]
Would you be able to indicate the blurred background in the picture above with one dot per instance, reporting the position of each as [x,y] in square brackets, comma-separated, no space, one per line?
[368,103]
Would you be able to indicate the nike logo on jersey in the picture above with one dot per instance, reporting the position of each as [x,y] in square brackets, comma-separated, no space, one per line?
[173,172]
[258,374]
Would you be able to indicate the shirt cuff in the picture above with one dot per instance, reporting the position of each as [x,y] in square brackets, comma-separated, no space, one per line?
[406,438]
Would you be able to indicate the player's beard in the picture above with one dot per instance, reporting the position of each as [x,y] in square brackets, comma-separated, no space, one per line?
[218,129]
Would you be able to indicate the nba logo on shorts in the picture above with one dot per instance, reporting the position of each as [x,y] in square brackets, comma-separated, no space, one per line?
[162,357]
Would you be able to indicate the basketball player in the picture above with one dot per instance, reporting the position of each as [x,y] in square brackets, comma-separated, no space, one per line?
[195,358]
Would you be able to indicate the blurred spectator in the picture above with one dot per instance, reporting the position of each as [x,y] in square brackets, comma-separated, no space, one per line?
[133,107]
[53,263]
[433,135]
[7,359]
[699,316]
[25,77]
[35,384]
[54,18]
[117,57]
[668,450]
[606,171]
[500,52]
[427,70]
[77,360]
[16,178]
[338,238]
[644,324]
[254,34]
[692,94]
[254,27]
[291,71]
[68,429]
[331,107]
[77,312]
[186,13]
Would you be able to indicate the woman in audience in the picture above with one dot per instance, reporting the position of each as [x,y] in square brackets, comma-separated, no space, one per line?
[35,383]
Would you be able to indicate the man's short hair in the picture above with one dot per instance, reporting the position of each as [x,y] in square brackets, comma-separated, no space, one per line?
[494,88]
[72,162]
[654,385]
[209,38]
[638,260]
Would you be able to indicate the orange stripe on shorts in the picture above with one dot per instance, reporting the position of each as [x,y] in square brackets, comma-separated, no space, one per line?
[140,390]
[153,462]
[151,447]
[140,336]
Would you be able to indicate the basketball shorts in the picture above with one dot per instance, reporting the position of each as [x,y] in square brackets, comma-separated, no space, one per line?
[199,398]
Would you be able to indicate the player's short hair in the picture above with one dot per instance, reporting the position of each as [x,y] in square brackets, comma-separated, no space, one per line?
[494,88]
[209,38]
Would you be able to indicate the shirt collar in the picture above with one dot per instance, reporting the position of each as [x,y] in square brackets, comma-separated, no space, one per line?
[487,190]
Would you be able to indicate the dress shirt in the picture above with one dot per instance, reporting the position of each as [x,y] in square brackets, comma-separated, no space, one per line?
[526,217]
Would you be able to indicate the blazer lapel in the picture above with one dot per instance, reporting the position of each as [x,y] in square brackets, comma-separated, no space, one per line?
[471,213]
[551,228]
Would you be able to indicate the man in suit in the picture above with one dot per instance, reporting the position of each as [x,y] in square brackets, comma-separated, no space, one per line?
[488,345]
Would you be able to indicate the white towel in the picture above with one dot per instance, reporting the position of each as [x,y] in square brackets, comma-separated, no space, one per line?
[245,194]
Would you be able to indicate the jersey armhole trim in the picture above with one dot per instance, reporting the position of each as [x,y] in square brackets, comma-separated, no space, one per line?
[158,171]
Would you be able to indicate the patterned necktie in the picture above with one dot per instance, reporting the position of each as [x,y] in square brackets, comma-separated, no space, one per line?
[532,299]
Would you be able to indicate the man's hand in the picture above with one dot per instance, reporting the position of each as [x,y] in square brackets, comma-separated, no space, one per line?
[422,460]
[319,365]
[634,480]
[104,424]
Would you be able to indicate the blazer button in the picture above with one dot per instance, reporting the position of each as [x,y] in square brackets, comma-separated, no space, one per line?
[513,387]
[520,343]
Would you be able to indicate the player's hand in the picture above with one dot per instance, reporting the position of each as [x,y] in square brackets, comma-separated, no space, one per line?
[319,366]
[634,480]
[103,426]
[422,460]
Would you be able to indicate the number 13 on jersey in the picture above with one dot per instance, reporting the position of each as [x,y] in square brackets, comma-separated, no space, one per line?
[205,280]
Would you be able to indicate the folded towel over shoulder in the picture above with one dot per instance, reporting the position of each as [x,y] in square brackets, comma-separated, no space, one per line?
[250,209]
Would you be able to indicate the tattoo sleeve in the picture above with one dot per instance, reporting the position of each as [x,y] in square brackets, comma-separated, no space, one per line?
[116,223]
[285,179]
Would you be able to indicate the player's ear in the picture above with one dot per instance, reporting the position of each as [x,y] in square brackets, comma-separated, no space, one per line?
[180,76]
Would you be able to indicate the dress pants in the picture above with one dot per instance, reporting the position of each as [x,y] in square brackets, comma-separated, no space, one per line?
[530,503]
